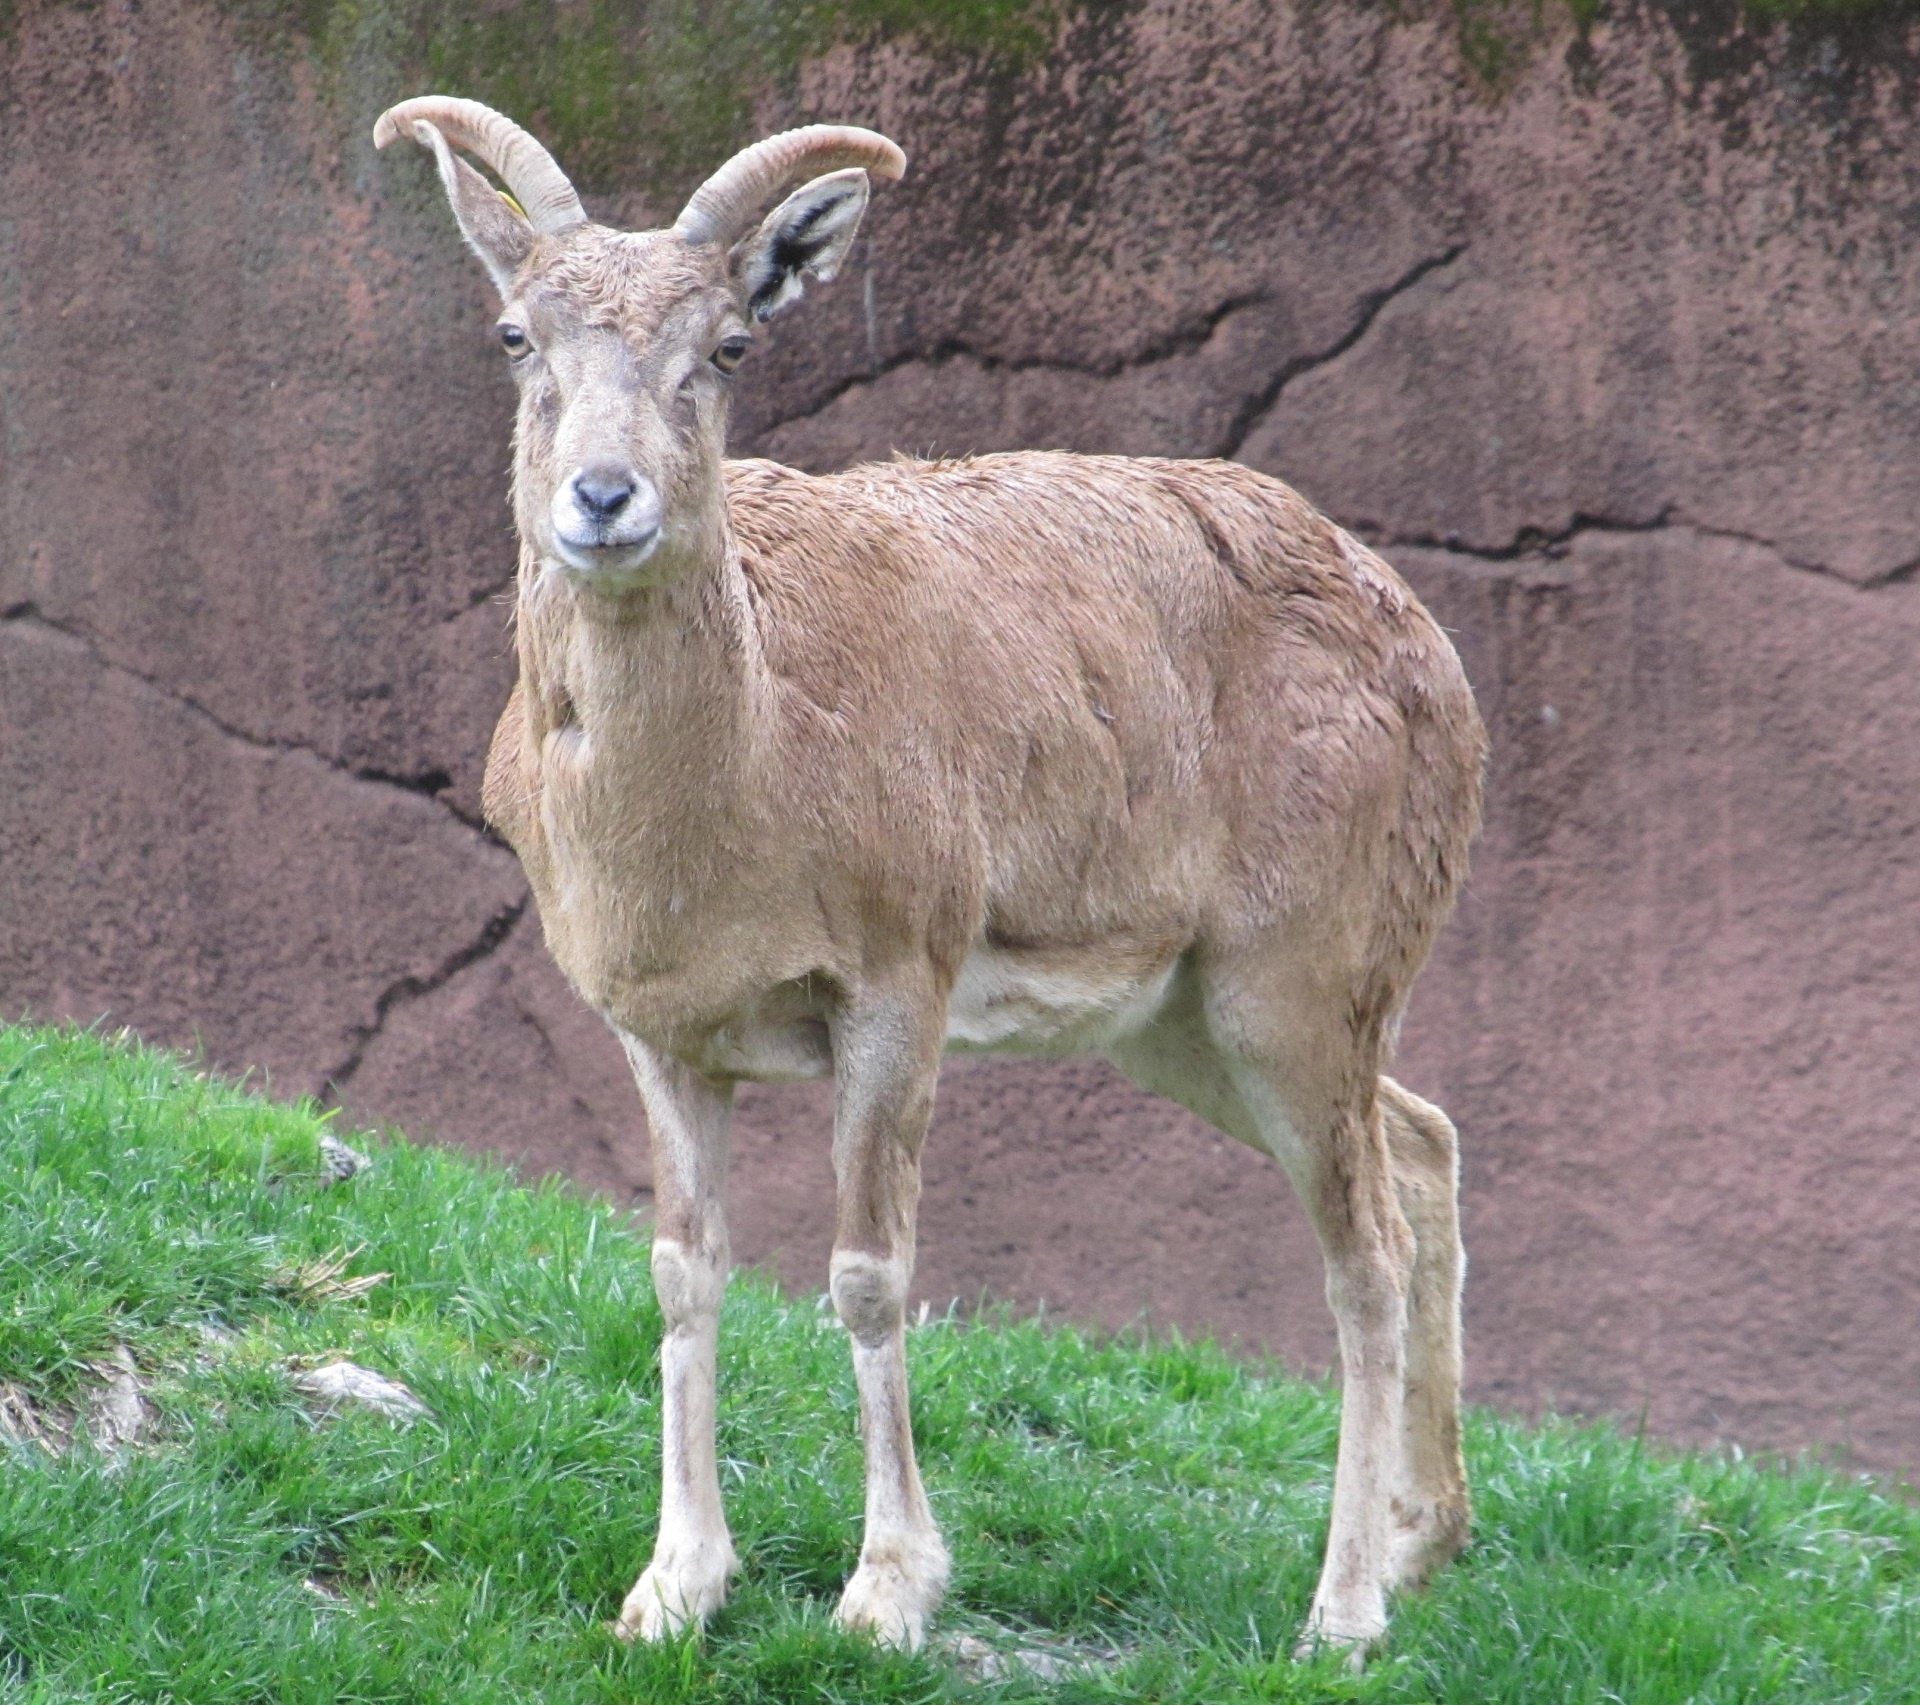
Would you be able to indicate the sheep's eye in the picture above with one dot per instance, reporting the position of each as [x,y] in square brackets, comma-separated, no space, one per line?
[732,352]
[514,341]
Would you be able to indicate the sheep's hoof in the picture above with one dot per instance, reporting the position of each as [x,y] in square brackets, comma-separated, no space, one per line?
[672,1595]
[1356,1636]
[894,1602]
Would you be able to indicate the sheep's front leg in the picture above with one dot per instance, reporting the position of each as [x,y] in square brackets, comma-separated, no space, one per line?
[693,1554]
[886,1059]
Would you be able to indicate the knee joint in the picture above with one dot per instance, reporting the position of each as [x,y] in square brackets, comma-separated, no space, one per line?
[689,1282]
[869,1293]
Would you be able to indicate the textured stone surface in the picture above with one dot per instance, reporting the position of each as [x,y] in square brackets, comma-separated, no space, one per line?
[253,902]
[1616,362]
[1305,241]
[248,453]
[1675,1010]
[505,1058]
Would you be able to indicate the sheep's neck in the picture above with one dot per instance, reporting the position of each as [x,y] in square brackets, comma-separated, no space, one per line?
[658,680]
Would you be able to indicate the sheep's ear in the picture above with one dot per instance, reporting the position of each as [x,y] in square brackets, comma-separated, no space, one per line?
[807,235]
[495,228]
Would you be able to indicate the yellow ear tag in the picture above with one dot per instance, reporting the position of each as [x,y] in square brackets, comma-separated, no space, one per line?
[513,204]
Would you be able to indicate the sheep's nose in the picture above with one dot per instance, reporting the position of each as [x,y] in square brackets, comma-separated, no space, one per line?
[602,492]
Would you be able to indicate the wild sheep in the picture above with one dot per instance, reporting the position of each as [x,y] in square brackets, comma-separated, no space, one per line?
[823,775]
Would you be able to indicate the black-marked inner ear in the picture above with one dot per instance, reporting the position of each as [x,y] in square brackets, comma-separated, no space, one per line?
[807,235]
[792,252]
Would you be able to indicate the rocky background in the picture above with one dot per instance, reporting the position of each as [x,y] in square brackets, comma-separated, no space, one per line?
[1601,330]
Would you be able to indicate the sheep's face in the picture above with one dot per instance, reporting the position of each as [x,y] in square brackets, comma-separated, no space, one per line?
[624,347]
[624,344]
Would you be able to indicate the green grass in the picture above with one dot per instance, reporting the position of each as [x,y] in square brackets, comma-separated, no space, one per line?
[1158,1498]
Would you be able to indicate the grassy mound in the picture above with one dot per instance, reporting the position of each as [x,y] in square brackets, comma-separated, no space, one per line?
[1147,1514]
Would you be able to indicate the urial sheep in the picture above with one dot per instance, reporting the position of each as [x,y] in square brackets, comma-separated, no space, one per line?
[820,776]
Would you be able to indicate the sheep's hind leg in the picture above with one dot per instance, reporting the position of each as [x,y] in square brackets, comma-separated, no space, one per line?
[693,1557]
[1308,1078]
[1273,1068]
[1432,1512]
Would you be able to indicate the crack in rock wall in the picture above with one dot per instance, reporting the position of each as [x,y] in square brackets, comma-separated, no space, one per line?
[1673,1000]
[1616,363]
[258,904]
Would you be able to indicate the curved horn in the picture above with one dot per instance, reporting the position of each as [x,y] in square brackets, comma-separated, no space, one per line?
[721,208]
[527,169]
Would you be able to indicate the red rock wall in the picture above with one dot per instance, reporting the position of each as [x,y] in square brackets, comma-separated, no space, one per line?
[1616,363]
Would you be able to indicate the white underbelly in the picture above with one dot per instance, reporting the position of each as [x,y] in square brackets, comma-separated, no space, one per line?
[1024,1001]
[1051,1003]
